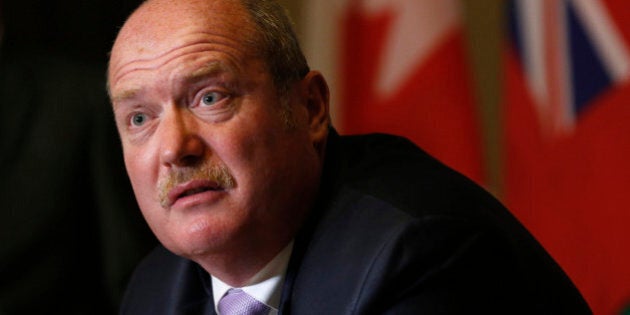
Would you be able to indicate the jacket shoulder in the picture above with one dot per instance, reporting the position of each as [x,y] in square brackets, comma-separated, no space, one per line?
[412,235]
[395,170]
[164,283]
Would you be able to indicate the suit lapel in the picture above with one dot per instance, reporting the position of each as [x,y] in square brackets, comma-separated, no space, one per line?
[307,232]
[200,300]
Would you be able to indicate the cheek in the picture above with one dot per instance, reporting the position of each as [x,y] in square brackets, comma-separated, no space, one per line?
[256,154]
[239,144]
[250,153]
[141,175]
[143,184]
[265,164]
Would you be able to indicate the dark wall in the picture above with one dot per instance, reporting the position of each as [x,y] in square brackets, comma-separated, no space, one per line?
[78,29]
[70,229]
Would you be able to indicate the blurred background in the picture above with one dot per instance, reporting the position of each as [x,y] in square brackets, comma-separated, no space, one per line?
[70,231]
[528,98]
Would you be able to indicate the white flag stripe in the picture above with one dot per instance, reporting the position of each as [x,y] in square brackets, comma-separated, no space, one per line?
[566,118]
[532,34]
[608,42]
[555,118]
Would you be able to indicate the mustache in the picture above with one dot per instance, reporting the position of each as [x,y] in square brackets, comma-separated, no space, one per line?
[218,173]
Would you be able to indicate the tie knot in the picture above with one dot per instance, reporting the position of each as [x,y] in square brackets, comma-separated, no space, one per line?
[236,301]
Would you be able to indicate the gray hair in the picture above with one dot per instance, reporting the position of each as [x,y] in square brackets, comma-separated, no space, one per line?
[277,42]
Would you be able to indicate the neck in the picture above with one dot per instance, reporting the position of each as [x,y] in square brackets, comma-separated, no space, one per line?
[239,270]
[238,262]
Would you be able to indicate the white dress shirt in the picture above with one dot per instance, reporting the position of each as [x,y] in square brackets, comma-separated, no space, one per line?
[265,286]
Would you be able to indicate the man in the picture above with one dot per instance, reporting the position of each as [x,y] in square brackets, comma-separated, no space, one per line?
[258,202]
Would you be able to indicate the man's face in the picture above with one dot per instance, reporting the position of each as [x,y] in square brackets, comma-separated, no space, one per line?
[209,156]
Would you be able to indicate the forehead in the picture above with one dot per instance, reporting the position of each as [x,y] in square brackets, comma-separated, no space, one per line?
[198,73]
[161,27]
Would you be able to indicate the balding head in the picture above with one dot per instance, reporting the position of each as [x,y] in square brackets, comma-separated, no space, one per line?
[160,26]
[265,30]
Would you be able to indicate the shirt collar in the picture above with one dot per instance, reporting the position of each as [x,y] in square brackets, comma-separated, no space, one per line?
[265,286]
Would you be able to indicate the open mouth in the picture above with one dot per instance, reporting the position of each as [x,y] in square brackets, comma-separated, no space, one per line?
[191,188]
[196,191]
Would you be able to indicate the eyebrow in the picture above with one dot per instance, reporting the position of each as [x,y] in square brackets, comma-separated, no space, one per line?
[212,68]
[123,96]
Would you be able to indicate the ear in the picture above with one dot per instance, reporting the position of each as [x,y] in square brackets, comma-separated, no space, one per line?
[317,98]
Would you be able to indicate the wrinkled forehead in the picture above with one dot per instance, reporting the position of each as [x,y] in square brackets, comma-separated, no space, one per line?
[160,26]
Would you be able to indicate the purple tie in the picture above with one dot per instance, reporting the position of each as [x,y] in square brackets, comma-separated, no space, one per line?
[237,302]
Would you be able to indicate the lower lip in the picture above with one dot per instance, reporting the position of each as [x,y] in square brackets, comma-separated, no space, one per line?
[205,198]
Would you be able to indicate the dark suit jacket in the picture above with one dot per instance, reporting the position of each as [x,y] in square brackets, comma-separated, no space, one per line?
[393,232]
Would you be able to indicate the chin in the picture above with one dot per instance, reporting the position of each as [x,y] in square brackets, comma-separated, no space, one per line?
[201,237]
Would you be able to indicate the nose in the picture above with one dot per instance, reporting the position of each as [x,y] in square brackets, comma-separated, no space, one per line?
[180,142]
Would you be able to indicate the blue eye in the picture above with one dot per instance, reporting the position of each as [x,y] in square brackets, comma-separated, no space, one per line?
[211,98]
[138,119]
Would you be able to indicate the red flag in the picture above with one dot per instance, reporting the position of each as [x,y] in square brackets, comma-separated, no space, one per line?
[567,107]
[402,70]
